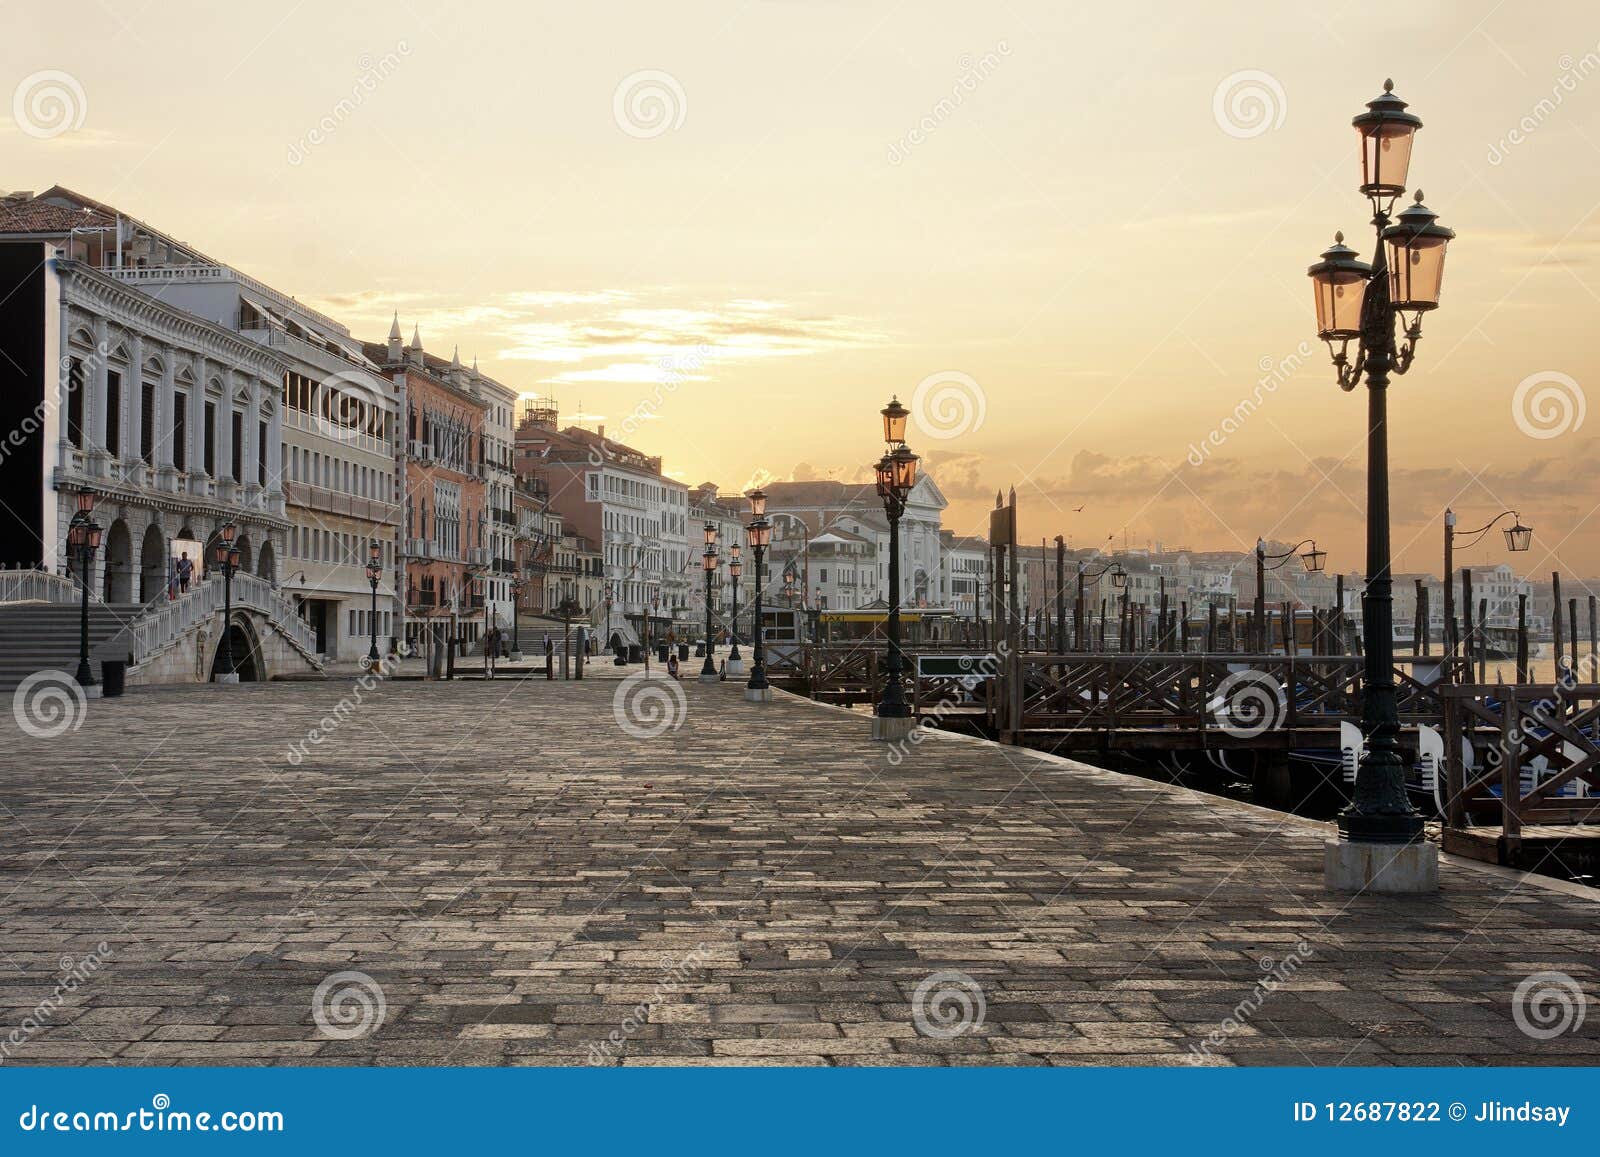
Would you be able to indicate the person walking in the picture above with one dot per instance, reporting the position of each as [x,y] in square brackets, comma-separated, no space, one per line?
[185,573]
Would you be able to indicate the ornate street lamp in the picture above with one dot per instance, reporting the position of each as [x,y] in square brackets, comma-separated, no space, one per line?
[1518,538]
[735,569]
[1405,277]
[897,475]
[227,558]
[83,539]
[517,583]
[374,573]
[757,690]
[1314,561]
[708,563]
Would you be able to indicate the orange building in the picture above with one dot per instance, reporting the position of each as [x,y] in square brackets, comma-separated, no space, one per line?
[445,535]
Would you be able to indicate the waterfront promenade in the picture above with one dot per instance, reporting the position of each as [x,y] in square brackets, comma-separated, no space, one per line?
[517,877]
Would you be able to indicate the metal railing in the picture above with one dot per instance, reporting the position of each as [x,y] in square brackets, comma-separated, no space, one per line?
[163,623]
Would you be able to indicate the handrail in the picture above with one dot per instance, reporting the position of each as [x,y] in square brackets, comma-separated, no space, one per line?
[163,623]
[31,585]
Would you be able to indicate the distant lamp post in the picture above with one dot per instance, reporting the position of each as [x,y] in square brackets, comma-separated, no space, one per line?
[1518,538]
[757,690]
[374,573]
[1381,846]
[735,569]
[227,559]
[708,563]
[1313,560]
[897,475]
[83,539]
[517,583]
[1119,581]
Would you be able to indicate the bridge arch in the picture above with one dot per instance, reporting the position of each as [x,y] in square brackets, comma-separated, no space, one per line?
[249,661]
[119,563]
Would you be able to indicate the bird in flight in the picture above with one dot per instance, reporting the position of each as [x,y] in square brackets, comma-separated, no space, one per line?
[1077,510]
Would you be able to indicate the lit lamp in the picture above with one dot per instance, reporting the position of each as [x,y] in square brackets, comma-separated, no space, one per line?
[708,562]
[227,557]
[83,540]
[735,568]
[374,574]
[759,531]
[896,475]
[1381,846]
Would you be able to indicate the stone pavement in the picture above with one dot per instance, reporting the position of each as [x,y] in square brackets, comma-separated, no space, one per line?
[502,873]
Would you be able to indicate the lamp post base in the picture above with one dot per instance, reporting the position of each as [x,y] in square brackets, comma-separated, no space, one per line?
[709,677]
[516,656]
[735,667]
[90,690]
[758,694]
[892,728]
[1396,869]
[229,677]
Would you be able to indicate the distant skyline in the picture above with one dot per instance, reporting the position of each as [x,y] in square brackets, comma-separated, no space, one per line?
[1083,233]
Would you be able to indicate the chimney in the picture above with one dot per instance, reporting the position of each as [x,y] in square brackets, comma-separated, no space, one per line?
[601,429]
[414,354]
[396,347]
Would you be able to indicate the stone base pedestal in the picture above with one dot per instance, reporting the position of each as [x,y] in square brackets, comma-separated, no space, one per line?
[890,728]
[1400,869]
[735,667]
[92,691]
[713,677]
[233,677]
[758,694]
[516,656]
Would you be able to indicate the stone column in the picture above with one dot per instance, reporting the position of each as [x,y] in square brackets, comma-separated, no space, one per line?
[196,432]
[165,411]
[95,404]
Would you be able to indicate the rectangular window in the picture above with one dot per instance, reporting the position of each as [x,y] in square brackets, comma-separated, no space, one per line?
[261,453]
[180,430]
[114,413]
[147,423]
[210,458]
[237,447]
[75,403]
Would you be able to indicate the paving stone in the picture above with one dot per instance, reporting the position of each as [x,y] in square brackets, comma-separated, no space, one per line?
[524,882]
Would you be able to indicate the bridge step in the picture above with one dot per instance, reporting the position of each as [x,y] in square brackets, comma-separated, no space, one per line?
[44,636]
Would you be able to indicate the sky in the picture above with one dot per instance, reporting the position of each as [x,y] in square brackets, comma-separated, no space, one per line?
[1072,237]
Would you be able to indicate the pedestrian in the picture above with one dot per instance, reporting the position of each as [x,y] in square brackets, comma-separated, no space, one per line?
[491,651]
[185,572]
[672,664]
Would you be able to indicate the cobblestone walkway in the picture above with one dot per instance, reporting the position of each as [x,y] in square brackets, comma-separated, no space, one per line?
[520,880]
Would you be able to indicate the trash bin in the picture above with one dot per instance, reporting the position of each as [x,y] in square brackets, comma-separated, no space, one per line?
[635,653]
[661,652]
[683,652]
[113,676]
[699,651]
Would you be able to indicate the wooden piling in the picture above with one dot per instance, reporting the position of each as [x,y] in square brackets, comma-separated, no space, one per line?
[1522,638]
[1555,616]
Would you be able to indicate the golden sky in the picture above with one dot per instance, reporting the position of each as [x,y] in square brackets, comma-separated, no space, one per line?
[733,229]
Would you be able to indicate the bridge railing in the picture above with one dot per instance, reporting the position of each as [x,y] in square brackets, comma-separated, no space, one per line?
[29,584]
[165,621]
[1522,754]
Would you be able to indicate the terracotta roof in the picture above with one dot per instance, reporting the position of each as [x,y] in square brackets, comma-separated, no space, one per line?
[41,216]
